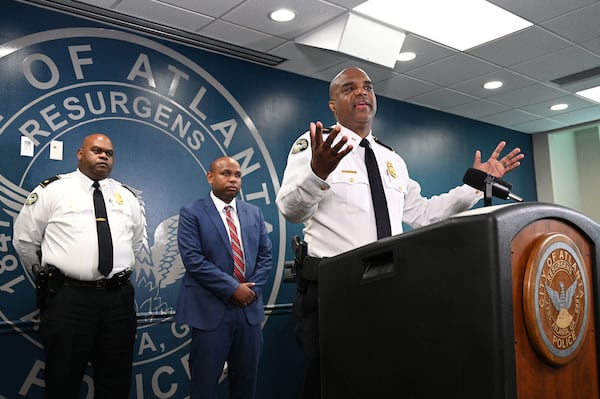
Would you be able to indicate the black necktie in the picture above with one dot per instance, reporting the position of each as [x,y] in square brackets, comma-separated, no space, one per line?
[382,217]
[105,248]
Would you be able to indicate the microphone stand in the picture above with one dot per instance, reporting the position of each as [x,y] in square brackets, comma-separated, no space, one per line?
[487,195]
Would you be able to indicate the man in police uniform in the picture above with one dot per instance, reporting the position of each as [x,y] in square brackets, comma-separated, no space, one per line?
[326,187]
[87,316]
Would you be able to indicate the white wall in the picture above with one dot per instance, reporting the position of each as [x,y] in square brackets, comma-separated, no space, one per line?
[567,168]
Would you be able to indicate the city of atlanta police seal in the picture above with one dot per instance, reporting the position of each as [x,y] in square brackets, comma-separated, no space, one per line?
[556,299]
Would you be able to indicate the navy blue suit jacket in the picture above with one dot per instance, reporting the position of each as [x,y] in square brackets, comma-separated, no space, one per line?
[205,249]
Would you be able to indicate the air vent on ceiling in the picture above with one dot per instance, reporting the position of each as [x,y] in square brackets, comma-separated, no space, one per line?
[577,77]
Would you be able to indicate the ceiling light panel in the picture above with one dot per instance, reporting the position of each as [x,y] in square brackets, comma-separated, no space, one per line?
[355,35]
[461,24]
[591,94]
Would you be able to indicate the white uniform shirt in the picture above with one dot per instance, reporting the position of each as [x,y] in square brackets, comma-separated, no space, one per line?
[338,213]
[59,219]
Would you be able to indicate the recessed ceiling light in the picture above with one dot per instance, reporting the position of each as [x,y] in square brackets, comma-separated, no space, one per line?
[406,56]
[282,15]
[559,107]
[492,85]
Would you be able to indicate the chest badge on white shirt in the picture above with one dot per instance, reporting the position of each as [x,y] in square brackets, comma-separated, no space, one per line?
[119,199]
[390,169]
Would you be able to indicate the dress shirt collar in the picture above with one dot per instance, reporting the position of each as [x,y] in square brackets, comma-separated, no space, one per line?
[86,182]
[220,204]
[354,138]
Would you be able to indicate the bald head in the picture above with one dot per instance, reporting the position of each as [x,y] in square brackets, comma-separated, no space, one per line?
[95,157]
[336,81]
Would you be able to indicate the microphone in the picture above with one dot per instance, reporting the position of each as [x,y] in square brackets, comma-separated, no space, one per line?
[501,189]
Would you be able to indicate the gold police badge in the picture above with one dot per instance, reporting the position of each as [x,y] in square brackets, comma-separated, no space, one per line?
[390,169]
[119,199]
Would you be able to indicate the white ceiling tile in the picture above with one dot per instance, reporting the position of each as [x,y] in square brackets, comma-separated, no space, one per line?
[241,36]
[211,8]
[403,87]
[509,117]
[537,126]
[570,118]
[442,99]
[478,109]
[451,70]
[593,45]
[426,51]
[543,108]
[309,15]
[578,26]
[520,46]
[375,72]
[558,64]
[164,14]
[511,81]
[527,96]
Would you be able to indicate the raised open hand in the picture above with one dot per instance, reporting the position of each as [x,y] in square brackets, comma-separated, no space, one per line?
[326,155]
[497,166]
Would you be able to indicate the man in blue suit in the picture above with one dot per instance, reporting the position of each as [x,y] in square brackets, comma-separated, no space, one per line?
[227,256]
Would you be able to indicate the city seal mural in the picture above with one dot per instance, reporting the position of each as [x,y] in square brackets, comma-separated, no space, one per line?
[168,119]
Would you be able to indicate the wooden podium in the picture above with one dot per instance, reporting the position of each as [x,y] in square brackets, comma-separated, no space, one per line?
[497,302]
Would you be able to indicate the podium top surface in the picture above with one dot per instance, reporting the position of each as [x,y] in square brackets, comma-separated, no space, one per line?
[518,215]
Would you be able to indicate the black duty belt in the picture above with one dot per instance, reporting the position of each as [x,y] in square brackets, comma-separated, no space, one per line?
[310,268]
[116,281]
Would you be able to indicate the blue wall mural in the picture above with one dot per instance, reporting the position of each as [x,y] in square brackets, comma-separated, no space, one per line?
[170,110]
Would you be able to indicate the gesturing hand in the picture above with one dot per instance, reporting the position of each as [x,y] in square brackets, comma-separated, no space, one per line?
[499,167]
[325,156]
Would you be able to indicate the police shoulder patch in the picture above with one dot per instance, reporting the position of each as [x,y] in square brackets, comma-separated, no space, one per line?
[300,145]
[33,197]
[49,180]
[385,145]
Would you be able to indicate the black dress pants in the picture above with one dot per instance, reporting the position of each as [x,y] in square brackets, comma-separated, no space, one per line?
[85,324]
[305,310]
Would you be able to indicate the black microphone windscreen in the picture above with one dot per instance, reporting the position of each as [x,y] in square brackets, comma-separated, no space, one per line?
[475,178]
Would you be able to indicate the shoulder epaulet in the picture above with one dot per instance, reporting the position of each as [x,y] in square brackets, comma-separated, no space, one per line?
[49,180]
[385,145]
[131,190]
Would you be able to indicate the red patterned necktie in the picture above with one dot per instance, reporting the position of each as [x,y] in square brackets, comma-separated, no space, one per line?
[239,269]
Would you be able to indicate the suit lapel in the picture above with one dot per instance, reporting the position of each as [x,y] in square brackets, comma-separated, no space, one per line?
[243,219]
[215,218]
